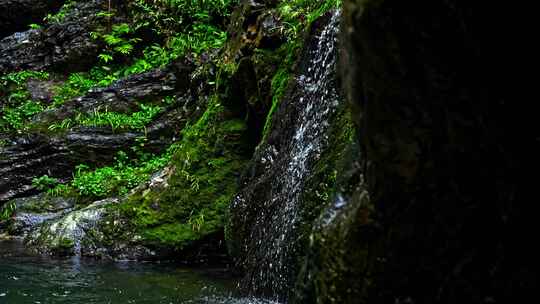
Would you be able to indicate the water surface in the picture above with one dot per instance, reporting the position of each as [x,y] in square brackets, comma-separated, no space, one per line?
[38,280]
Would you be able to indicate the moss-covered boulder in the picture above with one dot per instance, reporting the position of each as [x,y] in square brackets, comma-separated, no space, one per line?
[192,201]
[66,235]
[30,212]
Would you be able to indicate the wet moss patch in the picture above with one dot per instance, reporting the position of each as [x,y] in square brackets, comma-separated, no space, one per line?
[203,179]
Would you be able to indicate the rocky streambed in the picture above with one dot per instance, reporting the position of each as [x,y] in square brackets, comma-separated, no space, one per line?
[356,151]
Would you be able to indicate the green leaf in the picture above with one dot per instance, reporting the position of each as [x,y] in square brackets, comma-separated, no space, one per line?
[105,57]
[112,39]
[122,28]
[124,49]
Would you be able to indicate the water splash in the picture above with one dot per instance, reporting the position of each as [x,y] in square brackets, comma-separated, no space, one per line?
[230,300]
[276,232]
[319,100]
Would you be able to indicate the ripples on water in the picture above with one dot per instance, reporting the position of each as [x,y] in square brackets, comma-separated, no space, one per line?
[30,280]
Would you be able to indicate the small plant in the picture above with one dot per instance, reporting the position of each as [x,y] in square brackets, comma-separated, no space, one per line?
[116,121]
[19,107]
[117,42]
[19,79]
[197,222]
[35,26]
[63,125]
[59,190]
[44,183]
[7,211]
[78,84]
[135,121]
[298,14]
[15,118]
[117,179]
[61,14]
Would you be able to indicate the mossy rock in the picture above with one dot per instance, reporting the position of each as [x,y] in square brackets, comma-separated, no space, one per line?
[200,185]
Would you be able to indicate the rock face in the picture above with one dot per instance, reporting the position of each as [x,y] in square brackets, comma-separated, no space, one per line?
[67,234]
[16,15]
[271,216]
[123,95]
[35,210]
[434,211]
[26,157]
[428,204]
[53,226]
[65,45]
[22,158]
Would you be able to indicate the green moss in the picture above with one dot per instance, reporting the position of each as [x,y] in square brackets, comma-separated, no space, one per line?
[322,183]
[281,79]
[41,204]
[210,157]
[298,15]
[65,244]
[62,246]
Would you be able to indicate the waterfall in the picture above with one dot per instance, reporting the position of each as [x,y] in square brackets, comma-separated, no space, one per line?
[271,245]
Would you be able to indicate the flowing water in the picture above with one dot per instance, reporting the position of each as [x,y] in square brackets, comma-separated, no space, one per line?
[317,99]
[26,279]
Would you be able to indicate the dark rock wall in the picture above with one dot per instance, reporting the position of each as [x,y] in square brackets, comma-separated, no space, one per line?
[435,211]
[17,15]
[64,46]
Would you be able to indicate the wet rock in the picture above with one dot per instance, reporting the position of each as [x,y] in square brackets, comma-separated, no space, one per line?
[123,96]
[337,265]
[34,211]
[270,215]
[41,90]
[270,31]
[64,236]
[36,155]
[436,210]
[101,230]
[25,157]
[16,15]
[254,24]
[65,46]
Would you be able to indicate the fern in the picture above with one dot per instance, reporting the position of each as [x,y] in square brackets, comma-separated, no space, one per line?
[106,58]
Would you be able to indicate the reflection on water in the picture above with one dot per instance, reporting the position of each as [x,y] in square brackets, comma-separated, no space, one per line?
[26,279]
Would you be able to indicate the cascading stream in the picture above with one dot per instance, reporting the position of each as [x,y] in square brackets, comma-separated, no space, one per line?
[275,235]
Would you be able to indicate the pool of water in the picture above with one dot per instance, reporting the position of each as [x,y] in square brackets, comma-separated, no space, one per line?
[37,280]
